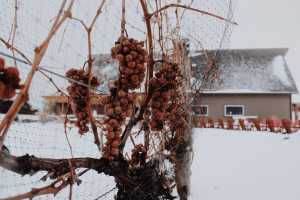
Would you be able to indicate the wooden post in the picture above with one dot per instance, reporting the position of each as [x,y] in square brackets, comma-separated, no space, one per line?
[185,148]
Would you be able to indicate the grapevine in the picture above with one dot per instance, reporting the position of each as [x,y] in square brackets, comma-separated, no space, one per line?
[164,85]
[80,97]
[131,56]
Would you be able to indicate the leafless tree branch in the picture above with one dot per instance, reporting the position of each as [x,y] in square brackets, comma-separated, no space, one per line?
[192,9]
[40,51]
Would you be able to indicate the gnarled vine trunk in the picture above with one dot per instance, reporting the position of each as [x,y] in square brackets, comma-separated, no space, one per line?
[184,149]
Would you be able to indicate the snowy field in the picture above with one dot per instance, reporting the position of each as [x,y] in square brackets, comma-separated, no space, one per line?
[48,140]
[236,165]
[228,165]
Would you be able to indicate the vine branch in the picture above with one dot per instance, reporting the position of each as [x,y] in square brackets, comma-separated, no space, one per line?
[40,51]
[192,9]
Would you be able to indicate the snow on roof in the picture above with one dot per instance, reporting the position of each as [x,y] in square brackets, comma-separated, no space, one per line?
[106,69]
[245,71]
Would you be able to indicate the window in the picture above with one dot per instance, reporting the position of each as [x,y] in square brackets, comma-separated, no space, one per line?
[200,110]
[194,65]
[234,110]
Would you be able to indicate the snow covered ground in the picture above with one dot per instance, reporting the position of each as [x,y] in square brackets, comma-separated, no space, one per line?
[228,165]
[48,140]
[235,165]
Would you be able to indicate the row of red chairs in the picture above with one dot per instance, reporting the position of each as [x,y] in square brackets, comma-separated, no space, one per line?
[269,124]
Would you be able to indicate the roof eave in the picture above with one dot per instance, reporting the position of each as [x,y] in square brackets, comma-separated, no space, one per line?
[248,92]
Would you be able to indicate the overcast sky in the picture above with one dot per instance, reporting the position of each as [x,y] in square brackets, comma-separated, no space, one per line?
[268,24]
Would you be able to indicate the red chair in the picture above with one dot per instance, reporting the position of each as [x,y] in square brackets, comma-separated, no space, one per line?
[211,123]
[278,125]
[256,123]
[287,125]
[202,122]
[229,122]
[270,124]
[242,124]
[297,123]
[264,125]
[294,125]
[274,125]
[221,123]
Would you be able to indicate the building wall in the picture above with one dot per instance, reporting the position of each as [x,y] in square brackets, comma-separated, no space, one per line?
[261,105]
[62,108]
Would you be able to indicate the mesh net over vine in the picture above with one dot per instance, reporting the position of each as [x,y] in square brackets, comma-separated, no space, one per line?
[26,23]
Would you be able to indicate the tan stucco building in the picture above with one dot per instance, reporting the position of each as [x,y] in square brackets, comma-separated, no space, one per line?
[246,83]
[249,83]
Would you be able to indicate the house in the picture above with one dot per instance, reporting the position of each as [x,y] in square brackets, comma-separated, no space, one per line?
[58,104]
[246,83]
[105,68]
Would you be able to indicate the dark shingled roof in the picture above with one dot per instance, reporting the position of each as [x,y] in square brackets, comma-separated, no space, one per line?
[246,71]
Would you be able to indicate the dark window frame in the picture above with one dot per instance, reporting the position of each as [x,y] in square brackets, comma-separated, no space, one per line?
[234,106]
[207,110]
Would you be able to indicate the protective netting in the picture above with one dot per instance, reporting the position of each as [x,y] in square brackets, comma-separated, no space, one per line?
[33,19]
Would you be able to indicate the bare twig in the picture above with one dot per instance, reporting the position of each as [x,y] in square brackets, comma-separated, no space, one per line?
[90,69]
[147,17]
[14,27]
[89,30]
[192,9]
[54,188]
[81,22]
[40,51]
[13,48]
[45,70]
[150,64]
[67,138]
[123,20]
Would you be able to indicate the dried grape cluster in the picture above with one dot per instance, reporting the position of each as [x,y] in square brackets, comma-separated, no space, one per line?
[117,108]
[9,81]
[132,58]
[80,97]
[164,85]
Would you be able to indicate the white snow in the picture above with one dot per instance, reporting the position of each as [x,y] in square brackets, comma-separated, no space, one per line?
[249,71]
[240,91]
[279,70]
[235,165]
[48,140]
[229,165]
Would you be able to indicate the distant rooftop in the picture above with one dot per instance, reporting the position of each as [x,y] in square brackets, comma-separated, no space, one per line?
[245,71]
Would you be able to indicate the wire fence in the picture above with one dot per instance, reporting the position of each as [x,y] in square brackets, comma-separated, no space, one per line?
[32,20]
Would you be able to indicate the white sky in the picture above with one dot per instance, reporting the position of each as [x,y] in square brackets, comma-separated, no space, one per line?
[268,24]
[262,24]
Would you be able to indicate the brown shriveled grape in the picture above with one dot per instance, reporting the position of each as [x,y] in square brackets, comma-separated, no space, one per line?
[166,80]
[132,58]
[9,80]
[80,97]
